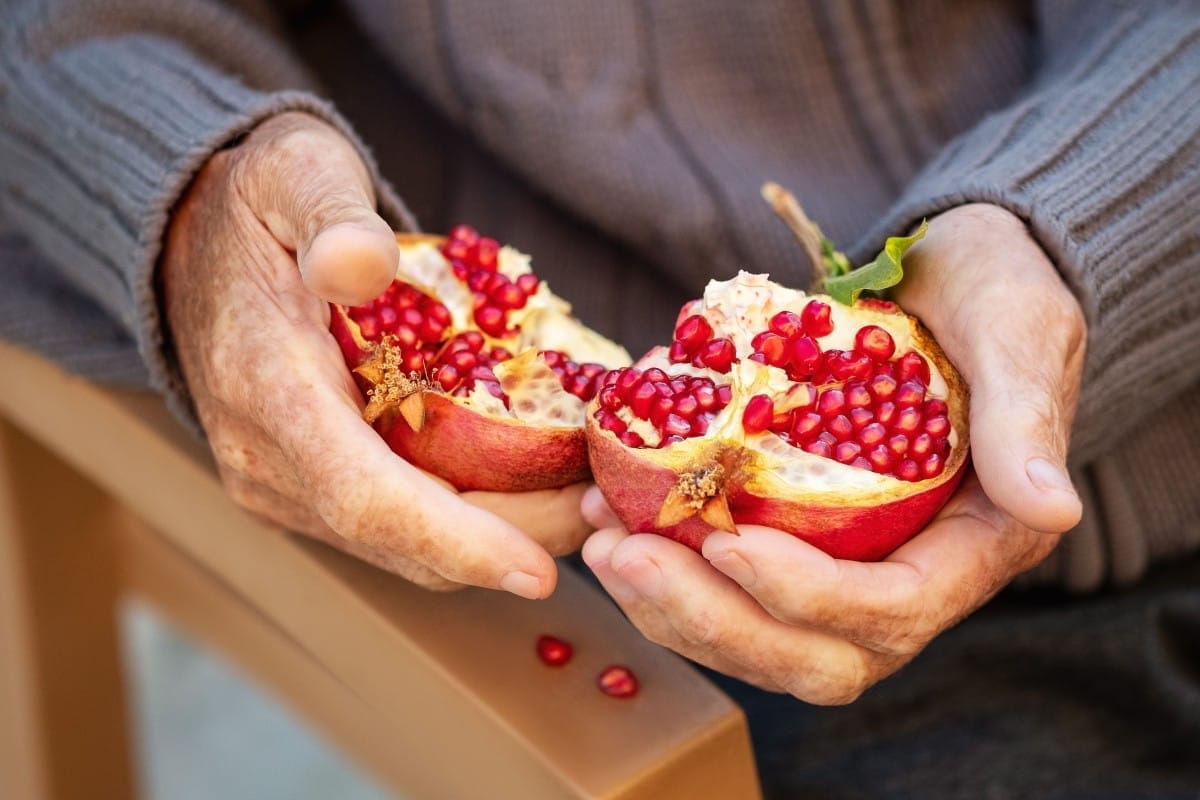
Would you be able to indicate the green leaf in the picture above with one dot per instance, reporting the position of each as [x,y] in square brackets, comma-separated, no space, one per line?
[882,273]
[835,260]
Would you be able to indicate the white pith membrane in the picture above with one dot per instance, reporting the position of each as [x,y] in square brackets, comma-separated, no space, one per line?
[535,393]
[739,309]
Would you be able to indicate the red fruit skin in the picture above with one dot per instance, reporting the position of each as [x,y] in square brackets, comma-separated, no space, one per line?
[477,451]
[636,489]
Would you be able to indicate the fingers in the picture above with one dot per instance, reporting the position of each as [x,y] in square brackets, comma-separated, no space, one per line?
[596,511]
[676,600]
[893,607]
[550,517]
[367,495]
[307,184]
[1001,312]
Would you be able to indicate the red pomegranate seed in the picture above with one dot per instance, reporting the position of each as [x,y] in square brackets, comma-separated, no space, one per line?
[872,434]
[910,393]
[817,318]
[819,447]
[642,399]
[706,397]
[936,426]
[724,394]
[875,342]
[678,353]
[464,233]
[908,421]
[655,375]
[831,402]
[857,395]
[490,320]
[631,439]
[674,438]
[609,399]
[676,425]
[786,323]
[758,414]
[898,445]
[846,452]
[880,458]
[850,366]
[805,356]
[932,466]
[936,408]
[840,426]
[912,366]
[510,296]
[773,347]
[660,409]
[882,386]
[806,425]
[686,406]
[528,283]
[610,421]
[487,252]
[920,445]
[617,681]
[908,471]
[693,332]
[554,652]
[718,354]
[885,412]
[628,381]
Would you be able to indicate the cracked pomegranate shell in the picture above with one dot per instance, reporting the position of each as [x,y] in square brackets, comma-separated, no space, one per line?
[472,369]
[843,425]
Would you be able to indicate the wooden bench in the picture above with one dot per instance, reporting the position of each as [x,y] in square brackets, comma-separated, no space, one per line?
[103,496]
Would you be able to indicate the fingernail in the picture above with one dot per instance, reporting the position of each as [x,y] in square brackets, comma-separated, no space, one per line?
[736,567]
[644,576]
[522,584]
[1045,475]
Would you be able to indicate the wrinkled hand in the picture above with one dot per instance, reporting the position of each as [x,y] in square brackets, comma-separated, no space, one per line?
[282,414]
[768,608]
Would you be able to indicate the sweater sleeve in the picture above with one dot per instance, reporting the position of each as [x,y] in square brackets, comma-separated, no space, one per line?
[107,111]
[1101,157]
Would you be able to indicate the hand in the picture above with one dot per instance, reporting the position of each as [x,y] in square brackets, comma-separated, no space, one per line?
[765,607]
[282,414]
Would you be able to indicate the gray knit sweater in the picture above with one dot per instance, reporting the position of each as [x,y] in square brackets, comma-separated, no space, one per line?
[623,143]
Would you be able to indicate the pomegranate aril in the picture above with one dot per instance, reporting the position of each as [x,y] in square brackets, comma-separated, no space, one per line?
[921,445]
[676,425]
[724,395]
[910,393]
[885,412]
[701,422]
[880,458]
[898,445]
[908,471]
[882,386]
[908,421]
[686,406]
[582,387]
[660,410]
[642,399]
[773,347]
[846,452]
[817,319]
[628,381]
[464,234]
[782,422]
[528,283]
[610,421]
[631,439]
[617,681]
[850,366]
[405,337]
[758,414]
[473,340]
[831,402]
[655,374]
[388,318]
[610,400]
[671,439]
[490,320]
[706,398]
[806,425]
[718,354]
[840,426]
[369,328]
[678,353]
[912,366]
[487,252]
[936,408]
[510,297]
[819,447]
[553,652]
[875,342]
[857,395]
[430,330]
[805,356]
[462,360]
[932,467]
[693,332]
[500,354]
[872,434]
[448,377]
[937,426]
[786,323]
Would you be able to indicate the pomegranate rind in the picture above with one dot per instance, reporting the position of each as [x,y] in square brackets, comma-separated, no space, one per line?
[471,449]
[864,523]
[480,452]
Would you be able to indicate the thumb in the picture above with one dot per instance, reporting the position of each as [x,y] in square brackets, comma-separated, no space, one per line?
[312,191]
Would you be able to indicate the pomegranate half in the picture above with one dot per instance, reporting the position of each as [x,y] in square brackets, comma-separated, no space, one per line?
[472,369]
[843,425]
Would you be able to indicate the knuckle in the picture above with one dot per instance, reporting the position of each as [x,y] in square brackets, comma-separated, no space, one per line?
[829,686]
[704,628]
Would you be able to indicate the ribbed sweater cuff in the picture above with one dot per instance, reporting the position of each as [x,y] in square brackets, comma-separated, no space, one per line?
[1102,160]
[134,119]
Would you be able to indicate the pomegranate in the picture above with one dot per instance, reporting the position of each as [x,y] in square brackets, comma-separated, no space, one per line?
[472,369]
[843,424]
